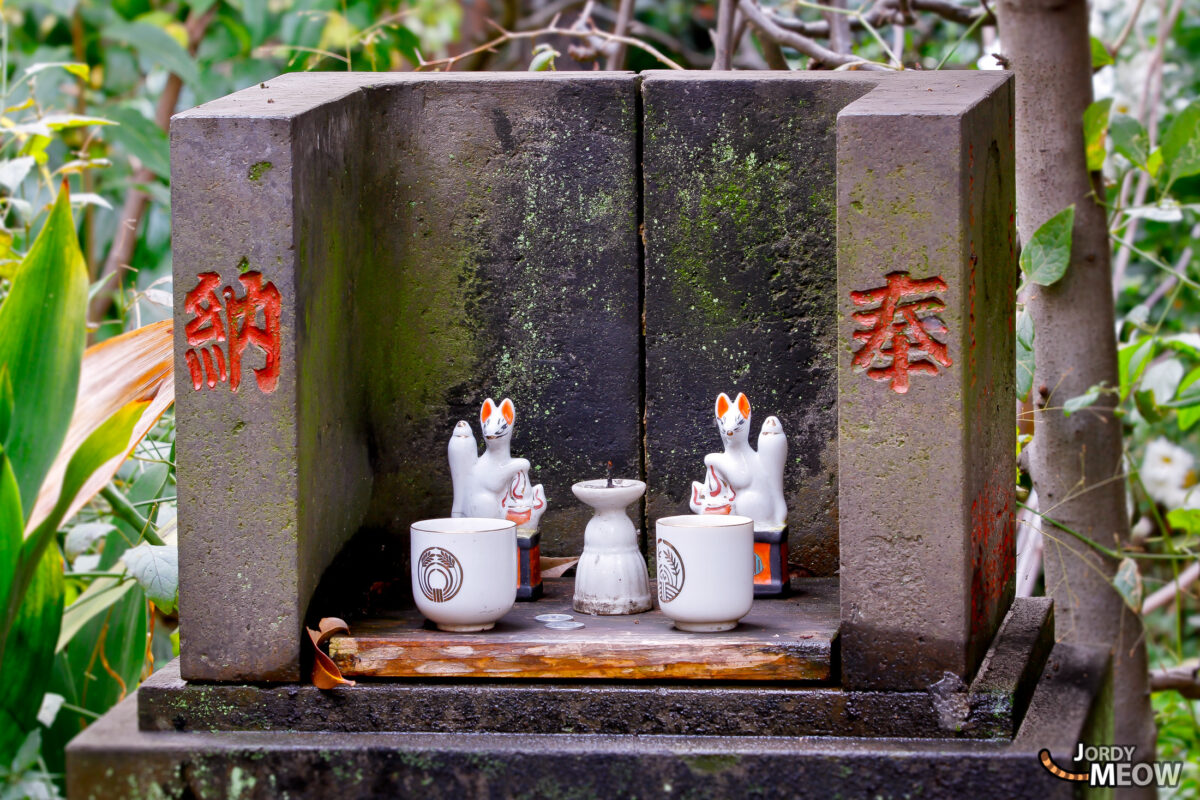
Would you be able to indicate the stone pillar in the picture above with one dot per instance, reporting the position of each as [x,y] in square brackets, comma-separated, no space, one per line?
[359,261]
[925,293]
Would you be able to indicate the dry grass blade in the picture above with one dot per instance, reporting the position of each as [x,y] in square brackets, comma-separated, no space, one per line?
[132,367]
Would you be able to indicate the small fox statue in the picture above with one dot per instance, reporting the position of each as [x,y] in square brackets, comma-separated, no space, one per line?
[742,481]
[493,485]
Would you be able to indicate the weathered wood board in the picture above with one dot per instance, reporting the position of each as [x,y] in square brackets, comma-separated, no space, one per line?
[781,639]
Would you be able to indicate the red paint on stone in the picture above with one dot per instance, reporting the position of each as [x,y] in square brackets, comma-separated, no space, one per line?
[896,329]
[236,323]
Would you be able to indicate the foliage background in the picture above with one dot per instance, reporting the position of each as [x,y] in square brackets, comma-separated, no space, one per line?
[138,61]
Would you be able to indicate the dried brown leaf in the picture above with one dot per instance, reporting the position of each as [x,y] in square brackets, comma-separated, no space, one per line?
[133,367]
[325,673]
[556,567]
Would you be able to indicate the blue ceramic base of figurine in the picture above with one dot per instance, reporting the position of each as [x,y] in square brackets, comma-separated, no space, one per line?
[529,563]
[771,577]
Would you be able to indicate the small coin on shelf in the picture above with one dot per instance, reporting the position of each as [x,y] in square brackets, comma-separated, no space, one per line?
[564,626]
[553,617]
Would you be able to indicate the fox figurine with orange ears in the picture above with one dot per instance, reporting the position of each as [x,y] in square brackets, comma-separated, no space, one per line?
[495,485]
[749,483]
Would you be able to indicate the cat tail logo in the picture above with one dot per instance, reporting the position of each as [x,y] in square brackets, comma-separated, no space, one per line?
[1116,769]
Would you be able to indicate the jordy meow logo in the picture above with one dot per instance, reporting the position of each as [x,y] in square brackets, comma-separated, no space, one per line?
[1114,766]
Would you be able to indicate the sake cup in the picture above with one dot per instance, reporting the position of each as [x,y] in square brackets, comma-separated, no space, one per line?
[705,570]
[464,571]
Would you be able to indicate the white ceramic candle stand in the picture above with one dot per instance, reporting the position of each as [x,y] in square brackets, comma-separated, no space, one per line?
[611,576]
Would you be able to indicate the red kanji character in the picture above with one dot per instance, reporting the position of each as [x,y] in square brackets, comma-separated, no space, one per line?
[204,329]
[243,330]
[895,333]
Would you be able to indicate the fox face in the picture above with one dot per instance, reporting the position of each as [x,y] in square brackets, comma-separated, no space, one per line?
[733,417]
[497,420]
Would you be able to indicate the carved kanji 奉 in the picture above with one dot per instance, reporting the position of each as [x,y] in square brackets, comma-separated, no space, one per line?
[897,329]
[239,327]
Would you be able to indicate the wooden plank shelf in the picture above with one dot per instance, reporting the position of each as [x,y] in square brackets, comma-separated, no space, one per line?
[789,639]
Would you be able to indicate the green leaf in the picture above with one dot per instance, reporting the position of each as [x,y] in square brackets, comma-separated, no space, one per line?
[1186,520]
[6,404]
[73,67]
[1045,257]
[156,45]
[1082,401]
[1128,583]
[82,537]
[1130,139]
[13,171]
[41,342]
[1024,353]
[1147,406]
[12,524]
[1132,359]
[1154,162]
[543,58]
[95,600]
[141,137]
[1181,144]
[1100,55]
[156,568]
[108,441]
[1189,415]
[29,653]
[1095,123]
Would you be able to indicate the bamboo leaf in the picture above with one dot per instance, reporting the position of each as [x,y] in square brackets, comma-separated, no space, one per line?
[1189,415]
[1045,258]
[95,600]
[29,652]
[41,342]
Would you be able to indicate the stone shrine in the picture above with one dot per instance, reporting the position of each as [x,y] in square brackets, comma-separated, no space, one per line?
[361,259]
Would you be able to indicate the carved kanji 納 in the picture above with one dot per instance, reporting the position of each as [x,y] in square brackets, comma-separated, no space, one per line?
[897,328]
[237,326]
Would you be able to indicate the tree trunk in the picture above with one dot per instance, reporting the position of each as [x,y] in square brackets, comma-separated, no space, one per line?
[1075,461]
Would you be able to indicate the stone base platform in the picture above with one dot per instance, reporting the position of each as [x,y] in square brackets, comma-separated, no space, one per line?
[529,739]
[114,759]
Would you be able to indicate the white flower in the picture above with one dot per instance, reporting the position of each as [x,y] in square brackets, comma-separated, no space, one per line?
[1167,474]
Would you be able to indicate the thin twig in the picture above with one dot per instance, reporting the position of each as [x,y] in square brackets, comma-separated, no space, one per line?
[1128,29]
[506,36]
[1167,594]
[1184,679]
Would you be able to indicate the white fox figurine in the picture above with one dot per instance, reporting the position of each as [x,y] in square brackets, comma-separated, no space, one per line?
[493,485]
[742,481]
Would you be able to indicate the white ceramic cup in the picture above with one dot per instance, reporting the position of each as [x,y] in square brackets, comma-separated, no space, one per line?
[464,571]
[705,570]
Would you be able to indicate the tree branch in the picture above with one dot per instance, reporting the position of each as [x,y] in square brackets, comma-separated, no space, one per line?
[723,41]
[767,28]
[1183,679]
[621,28]
[1166,595]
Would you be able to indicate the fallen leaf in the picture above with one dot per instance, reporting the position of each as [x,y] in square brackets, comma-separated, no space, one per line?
[556,567]
[325,673]
[133,367]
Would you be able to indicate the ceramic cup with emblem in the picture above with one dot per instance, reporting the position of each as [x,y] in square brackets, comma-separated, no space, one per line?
[705,570]
[464,571]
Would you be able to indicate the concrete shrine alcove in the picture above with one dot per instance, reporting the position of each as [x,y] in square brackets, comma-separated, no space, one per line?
[610,251]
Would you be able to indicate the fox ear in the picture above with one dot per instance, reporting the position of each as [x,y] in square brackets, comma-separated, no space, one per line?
[722,404]
[488,408]
[506,408]
[743,404]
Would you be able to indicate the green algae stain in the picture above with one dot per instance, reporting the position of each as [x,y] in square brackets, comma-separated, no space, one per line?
[259,169]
